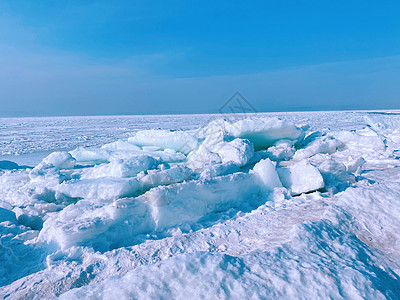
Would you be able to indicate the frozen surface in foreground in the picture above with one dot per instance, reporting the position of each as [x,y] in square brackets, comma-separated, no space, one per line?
[306,206]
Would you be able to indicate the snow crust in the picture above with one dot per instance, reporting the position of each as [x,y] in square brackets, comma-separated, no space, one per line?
[259,208]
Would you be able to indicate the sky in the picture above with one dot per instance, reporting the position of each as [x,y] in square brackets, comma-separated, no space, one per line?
[167,57]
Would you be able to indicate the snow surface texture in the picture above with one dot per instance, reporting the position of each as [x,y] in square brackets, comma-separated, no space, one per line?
[259,208]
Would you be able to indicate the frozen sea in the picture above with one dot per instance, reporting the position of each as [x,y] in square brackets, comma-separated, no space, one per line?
[300,205]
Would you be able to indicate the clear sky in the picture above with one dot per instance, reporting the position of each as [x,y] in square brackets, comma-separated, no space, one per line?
[157,57]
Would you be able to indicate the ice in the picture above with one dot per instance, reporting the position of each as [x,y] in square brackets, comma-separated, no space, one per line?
[202,158]
[215,170]
[383,123]
[7,215]
[387,128]
[262,132]
[356,165]
[99,188]
[176,140]
[85,155]
[365,142]
[61,160]
[27,218]
[326,145]
[119,167]
[121,145]
[301,177]
[168,155]
[172,175]
[281,151]
[206,154]
[266,172]
[190,201]
[161,207]
[238,151]
[302,206]
[335,172]
[103,226]
[17,258]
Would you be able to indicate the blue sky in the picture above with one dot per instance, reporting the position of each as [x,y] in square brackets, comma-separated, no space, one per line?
[156,57]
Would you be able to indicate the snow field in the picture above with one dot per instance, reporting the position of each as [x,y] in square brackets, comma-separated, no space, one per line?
[225,210]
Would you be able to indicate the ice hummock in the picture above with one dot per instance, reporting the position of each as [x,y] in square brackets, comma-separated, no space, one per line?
[251,199]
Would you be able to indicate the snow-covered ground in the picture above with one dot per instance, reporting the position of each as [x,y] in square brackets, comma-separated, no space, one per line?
[303,206]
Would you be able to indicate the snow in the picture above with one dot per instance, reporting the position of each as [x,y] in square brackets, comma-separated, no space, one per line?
[302,206]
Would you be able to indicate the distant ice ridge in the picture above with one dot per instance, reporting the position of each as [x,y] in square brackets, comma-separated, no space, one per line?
[234,198]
